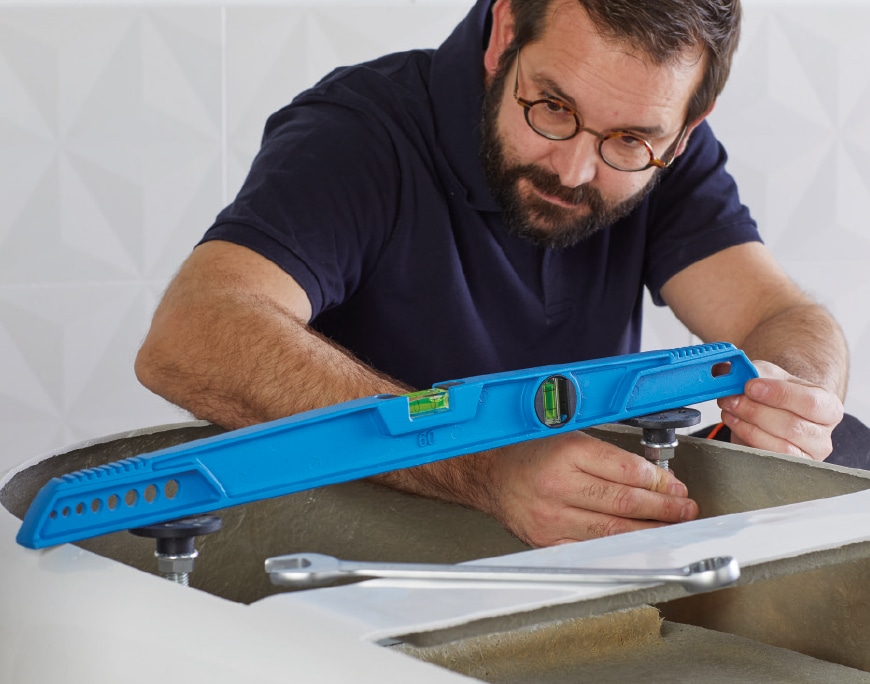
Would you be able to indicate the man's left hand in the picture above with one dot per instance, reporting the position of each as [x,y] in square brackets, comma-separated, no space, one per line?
[781,413]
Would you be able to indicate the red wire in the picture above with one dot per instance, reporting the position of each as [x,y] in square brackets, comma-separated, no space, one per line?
[715,431]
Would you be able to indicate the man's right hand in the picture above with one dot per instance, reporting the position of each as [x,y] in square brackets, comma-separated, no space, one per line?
[572,487]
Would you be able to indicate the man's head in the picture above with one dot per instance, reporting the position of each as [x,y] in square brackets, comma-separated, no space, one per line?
[643,72]
[664,31]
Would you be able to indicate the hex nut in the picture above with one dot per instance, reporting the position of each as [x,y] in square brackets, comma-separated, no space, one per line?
[658,454]
[175,564]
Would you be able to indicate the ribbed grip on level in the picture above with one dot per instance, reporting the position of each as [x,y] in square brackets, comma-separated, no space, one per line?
[119,495]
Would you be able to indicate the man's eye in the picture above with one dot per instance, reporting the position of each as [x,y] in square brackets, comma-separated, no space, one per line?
[631,141]
[556,107]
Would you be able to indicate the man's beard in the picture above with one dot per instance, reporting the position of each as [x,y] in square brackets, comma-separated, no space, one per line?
[543,223]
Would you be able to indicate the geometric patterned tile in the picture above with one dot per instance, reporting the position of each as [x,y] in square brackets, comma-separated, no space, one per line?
[794,118]
[31,350]
[67,352]
[124,130]
[133,104]
[275,52]
[794,114]
[111,133]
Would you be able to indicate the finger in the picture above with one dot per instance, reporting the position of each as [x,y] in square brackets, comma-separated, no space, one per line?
[629,502]
[612,464]
[774,429]
[813,403]
[574,486]
[798,438]
[778,422]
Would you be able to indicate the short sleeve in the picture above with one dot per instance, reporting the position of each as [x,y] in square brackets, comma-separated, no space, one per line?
[319,200]
[695,212]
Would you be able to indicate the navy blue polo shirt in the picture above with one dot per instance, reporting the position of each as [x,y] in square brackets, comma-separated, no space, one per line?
[368,190]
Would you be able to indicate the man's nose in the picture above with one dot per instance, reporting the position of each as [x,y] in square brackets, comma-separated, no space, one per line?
[576,160]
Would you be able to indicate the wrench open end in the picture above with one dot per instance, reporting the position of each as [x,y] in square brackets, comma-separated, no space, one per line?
[308,571]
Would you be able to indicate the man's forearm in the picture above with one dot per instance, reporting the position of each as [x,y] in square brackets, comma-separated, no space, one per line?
[742,295]
[237,359]
[805,341]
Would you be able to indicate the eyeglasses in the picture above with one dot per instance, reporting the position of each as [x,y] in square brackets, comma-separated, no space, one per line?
[555,120]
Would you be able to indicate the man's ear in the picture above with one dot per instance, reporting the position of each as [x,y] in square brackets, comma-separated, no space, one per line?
[500,37]
[692,127]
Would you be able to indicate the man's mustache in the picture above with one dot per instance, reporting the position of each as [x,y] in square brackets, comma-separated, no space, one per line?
[549,184]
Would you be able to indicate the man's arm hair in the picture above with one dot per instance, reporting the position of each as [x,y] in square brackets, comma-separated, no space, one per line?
[230,343]
[741,295]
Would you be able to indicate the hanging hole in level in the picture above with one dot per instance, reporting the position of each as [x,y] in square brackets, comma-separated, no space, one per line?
[721,369]
[150,493]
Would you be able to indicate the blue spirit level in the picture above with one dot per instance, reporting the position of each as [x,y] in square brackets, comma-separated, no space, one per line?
[365,437]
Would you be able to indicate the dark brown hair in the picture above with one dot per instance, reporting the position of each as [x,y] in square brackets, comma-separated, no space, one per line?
[664,30]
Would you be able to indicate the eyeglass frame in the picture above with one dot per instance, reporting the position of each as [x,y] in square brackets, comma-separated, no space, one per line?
[601,137]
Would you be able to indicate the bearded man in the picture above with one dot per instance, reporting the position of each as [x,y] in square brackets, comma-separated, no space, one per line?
[500,203]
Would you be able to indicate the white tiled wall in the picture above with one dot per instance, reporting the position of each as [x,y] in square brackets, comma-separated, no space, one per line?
[125,127]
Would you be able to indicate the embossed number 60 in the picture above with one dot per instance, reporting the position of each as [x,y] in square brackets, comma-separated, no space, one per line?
[426,439]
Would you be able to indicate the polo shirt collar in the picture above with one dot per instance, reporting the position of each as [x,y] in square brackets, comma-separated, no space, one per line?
[457,97]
